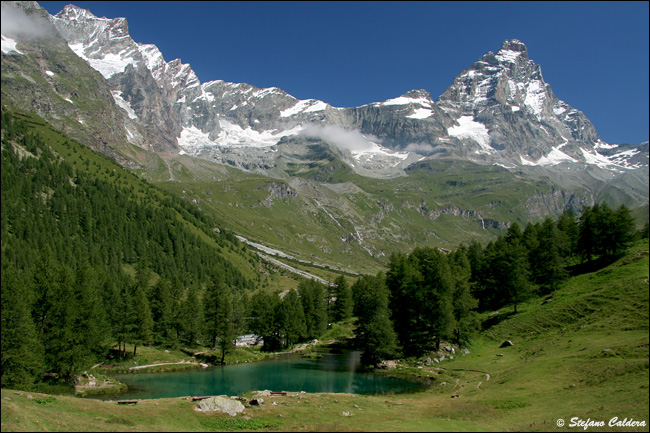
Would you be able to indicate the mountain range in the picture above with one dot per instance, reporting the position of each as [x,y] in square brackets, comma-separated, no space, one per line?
[324,182]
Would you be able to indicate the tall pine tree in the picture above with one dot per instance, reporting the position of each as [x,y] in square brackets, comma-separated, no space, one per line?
[374,333]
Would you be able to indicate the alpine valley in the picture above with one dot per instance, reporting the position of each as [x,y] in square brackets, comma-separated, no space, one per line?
[343,187]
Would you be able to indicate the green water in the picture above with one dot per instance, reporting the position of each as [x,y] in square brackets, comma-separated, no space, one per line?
[331,373]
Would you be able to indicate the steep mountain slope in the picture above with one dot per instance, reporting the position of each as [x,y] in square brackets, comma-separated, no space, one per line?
[339,185]
[59,195]
[499,110]
[41,74]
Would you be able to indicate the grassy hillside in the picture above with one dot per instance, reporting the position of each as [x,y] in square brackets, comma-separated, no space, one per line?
[326,213]
[583,354]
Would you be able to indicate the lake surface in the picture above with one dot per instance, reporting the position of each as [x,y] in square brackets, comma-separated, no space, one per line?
[334,372]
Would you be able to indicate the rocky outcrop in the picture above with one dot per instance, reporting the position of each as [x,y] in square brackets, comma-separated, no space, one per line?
[277,191]
[220,404]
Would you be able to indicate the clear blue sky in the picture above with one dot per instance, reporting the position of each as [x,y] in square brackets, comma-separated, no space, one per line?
[593,54]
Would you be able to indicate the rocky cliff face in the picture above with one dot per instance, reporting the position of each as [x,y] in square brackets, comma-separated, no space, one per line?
[41,74]
[497,111]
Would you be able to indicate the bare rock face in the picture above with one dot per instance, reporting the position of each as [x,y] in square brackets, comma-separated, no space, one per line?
[45,76]
[220,404]
[498,111]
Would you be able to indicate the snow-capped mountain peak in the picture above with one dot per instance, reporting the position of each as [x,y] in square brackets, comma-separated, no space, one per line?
[499,110]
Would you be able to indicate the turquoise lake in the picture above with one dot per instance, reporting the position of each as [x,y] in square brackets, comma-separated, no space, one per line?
[334,372]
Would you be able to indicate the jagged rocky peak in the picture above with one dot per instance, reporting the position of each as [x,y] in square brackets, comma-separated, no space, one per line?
[77,25]
[512,50]
[418,94]
[499,110]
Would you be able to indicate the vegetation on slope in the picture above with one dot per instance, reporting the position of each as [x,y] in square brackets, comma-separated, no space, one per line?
[80,239]
[583,355]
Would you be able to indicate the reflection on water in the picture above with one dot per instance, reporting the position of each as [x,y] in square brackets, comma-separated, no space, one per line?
[334,372]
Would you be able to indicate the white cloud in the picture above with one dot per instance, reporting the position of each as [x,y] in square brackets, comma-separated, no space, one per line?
[344,139]
[419,148]
[16,22]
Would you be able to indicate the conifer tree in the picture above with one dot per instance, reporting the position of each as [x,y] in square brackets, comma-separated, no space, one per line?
[191,316]
[162,304]
[403,282]
[292,318]
[623,228]
[508,268]
[374,333]
[139,321]
[312,297]
[264,319]
[64,353]
[435,315]
[226,324]
[605,232]
[213,308]
[45,289]
[588,233]
[567,225]
[22,351]
[465,318]
[342,308]
[549,269]
[91,323]
[176,291]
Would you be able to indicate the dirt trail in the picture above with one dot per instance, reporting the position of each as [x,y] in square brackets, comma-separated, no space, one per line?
[478,386]
[164,363]
[487,377]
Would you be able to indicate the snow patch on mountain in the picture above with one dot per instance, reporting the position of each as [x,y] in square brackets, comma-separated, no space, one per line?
[304,106]
[615,162]
[468,128]
[9,45]
[602,145]
[509,56]
[555,156]
[117,96]
[405,100]
[535,96]
[234,135]
[421,113]
[595,158]
[193,139]
[153,59]
[107,65]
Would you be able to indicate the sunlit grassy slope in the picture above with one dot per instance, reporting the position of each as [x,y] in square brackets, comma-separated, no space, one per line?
[331,215]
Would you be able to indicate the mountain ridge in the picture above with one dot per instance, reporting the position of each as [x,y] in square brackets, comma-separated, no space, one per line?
[326,183]
[465,115]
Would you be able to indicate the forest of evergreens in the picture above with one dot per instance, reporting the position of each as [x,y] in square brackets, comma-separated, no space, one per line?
[80,243]
[89,263]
